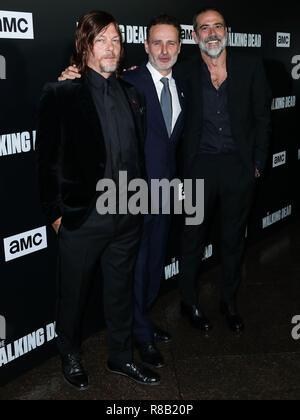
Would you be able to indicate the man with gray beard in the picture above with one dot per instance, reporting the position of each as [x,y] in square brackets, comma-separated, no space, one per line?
[226,143]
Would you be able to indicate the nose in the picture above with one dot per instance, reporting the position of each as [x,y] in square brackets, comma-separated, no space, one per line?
[164,49]
[110,46]
[211,31]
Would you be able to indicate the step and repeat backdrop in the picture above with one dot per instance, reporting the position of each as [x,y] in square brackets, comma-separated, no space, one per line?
[36,41]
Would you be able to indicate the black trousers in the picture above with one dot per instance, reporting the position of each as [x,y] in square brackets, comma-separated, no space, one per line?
[228,184]
[110,242]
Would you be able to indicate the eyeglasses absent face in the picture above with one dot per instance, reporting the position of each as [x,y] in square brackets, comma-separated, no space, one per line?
[210,23]
[105,56]
[163,46]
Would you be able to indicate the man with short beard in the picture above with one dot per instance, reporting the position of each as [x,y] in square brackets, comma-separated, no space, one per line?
[226,143]
[165,100]
[91,129]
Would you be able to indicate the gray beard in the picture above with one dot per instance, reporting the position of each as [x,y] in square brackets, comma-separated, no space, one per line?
[215,52]
[160,68]
[107,69]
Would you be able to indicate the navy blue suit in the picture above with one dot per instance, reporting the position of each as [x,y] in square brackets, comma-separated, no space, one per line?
[160,156]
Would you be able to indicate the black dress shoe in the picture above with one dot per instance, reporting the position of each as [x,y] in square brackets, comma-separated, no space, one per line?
[161,336]
[234,320]
[137,373]
[196,317]
[150,355]
[73,371]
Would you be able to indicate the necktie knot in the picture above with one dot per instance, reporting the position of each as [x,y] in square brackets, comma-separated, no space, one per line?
[165,81]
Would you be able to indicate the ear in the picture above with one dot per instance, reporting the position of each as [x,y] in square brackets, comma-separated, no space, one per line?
[195,37]
[146,46]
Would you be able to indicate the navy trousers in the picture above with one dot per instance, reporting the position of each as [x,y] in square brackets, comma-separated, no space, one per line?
[148,273]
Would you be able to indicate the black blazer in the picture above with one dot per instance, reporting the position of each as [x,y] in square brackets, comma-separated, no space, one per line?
[70,147]
[249,100]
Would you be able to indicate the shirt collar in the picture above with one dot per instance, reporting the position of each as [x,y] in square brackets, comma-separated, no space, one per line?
[96,79]
[156,74]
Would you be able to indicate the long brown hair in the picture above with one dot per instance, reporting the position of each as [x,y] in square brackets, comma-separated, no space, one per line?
[89,26]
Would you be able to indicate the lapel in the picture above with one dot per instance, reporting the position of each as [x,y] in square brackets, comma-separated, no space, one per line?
[182,100]
[195,99]
[138,110]
[90,141]
[232,90]
[87,109]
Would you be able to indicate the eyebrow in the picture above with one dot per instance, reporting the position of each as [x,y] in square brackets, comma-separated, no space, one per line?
[104,36]
[161,40]
[213,24]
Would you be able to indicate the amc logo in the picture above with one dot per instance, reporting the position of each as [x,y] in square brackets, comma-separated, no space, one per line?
[283,40]
[187,34]
[279,159]
[16,25]
[25,243]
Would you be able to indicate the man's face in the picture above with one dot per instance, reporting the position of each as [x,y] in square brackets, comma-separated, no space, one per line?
[211,35]
[105,56]
[163,47]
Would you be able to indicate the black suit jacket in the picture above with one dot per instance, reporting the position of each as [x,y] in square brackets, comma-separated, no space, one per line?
[70,147]
[249,100]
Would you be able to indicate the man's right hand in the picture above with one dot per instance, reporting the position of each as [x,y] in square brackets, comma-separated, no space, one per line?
[70,73]
[56,225]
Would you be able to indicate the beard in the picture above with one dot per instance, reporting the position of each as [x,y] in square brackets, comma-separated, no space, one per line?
[109,68]
[161,67]
[213,52]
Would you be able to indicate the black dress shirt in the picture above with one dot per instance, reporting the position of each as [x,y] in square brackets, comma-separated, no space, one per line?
[216,135]
[117,125]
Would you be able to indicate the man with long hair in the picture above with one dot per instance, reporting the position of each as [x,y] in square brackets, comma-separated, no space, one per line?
[91,129]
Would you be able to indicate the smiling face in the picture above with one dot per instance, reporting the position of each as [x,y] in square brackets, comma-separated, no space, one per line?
[105,55]
[163,47]
[211,35]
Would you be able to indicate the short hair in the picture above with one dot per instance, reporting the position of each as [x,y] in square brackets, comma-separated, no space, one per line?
[89,27]
[165,19]
[204,10]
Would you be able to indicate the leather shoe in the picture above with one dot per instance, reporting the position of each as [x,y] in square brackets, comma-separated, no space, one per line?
[196,317]
[137,373]
[234,320]
[73,371]
[150,355]
[161,336]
